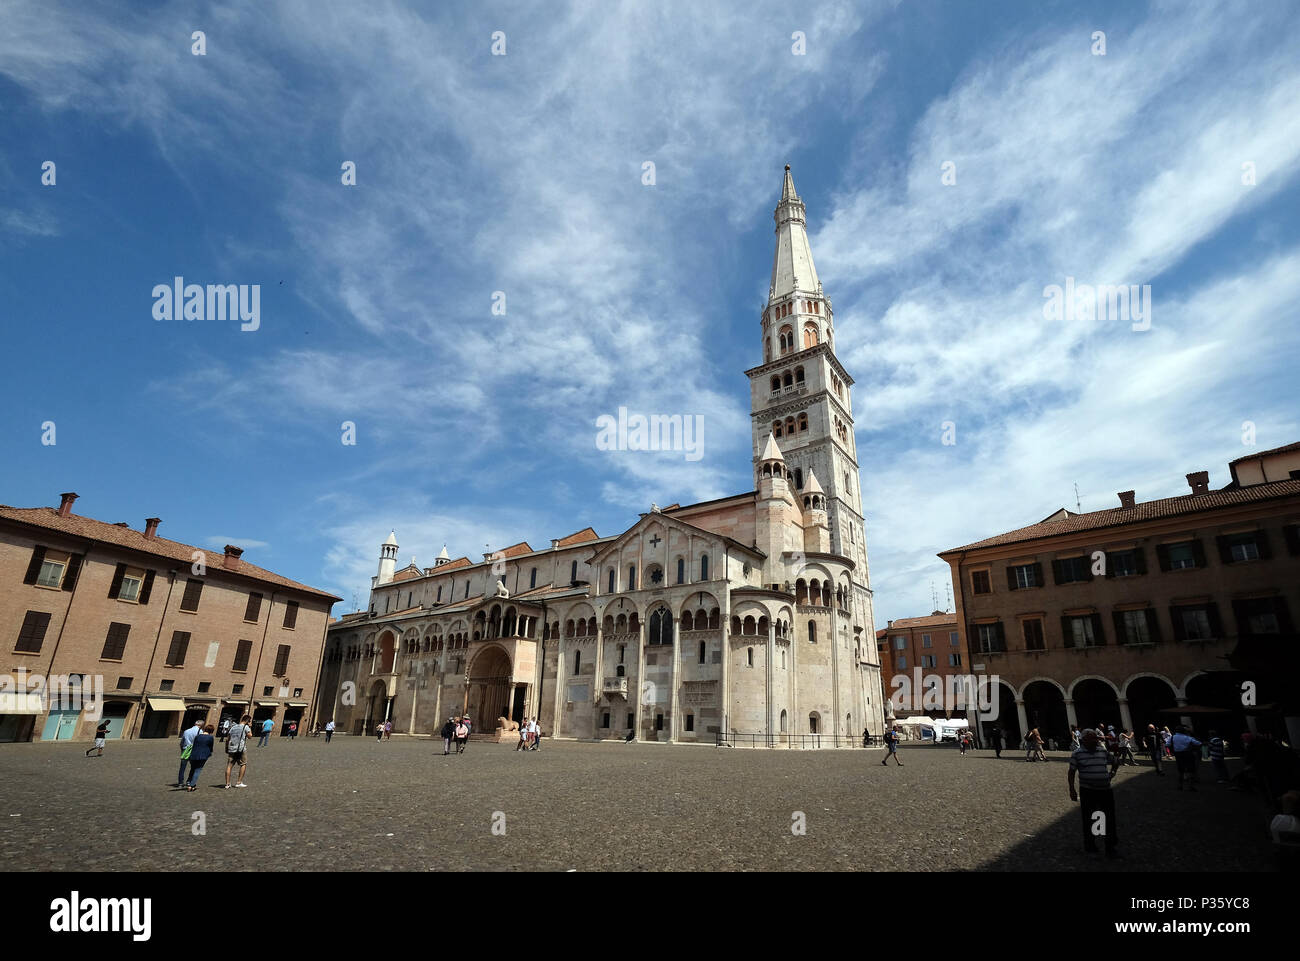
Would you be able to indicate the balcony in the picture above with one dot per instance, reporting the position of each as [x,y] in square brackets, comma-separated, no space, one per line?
[615,685]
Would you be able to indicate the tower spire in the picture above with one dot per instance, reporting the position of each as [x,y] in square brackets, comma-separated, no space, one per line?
[792,265]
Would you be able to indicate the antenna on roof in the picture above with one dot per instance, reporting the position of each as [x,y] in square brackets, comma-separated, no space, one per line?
[934,597]
[948,585]
[1077,506]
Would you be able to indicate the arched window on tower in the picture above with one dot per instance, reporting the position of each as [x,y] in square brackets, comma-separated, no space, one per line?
[611,580]
[681,570]
[789,425]
[803,422]
[776,383]
[631,577]
[798,375]
[787,339]
[704,567]
[810,335]
[812,632]
[776,428]
[787,380]
[573,572]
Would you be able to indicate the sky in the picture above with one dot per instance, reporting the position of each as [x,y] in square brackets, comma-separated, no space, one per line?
[957,160]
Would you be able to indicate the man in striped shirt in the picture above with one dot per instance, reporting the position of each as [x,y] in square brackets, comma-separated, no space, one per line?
[1091,762]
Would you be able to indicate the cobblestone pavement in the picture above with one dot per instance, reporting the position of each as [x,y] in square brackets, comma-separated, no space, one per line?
[358,804]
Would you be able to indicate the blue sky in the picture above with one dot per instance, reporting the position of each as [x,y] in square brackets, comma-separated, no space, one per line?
[523,173]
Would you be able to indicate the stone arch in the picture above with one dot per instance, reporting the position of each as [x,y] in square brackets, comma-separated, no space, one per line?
[387,651]
[1149,693]
[1044,702]
[1096,701]
[490,683]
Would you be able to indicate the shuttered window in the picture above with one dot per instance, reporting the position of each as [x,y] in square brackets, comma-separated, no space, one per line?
[176,653]
[193,591]
[242,653]
[254,609]
[291,615]
[281,660]
[115,642]
[32,635]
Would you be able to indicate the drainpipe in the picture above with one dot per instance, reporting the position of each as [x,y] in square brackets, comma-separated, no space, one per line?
[144,694]
[270,609]
[320,667]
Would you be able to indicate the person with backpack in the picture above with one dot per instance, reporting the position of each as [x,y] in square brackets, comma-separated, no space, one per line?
[237,749]
[1217,751]
[448,732]
[891,745]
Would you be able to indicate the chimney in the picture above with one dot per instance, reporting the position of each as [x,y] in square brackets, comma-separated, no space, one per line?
[151,527]
[231,560]
[889,624]
[1199,482]
[65,506]
[1126,498]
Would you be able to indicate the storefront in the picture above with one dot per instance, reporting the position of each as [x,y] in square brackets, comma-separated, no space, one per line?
[18,713]
[162,717]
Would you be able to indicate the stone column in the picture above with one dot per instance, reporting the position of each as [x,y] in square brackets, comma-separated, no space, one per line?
[1184,719]
[674,702]
[1070,715]
[640,677]
[598,688]
[832,629]
[769,657]
[1125,718]
[560,683]
[1022,716]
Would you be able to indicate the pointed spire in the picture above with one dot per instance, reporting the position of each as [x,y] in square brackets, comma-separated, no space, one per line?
[443,555]
[787,188]
[392,539]
[812,487]
[792,265]
[770,450]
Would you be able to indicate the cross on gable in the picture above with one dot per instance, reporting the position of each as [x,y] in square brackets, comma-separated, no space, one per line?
[654,541]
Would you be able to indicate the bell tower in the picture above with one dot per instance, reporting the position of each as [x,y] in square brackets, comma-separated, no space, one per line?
[801,394]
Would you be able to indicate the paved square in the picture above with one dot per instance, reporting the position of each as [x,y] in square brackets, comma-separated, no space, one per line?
[357,804]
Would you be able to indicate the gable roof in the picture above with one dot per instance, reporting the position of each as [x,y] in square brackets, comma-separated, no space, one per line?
[578,537]
[1180,506]
[87,528]
[1286,448]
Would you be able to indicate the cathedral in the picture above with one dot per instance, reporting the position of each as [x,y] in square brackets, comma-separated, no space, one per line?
[745,620]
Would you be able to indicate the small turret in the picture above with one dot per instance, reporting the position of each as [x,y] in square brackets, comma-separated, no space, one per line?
[387,559]
[816,527]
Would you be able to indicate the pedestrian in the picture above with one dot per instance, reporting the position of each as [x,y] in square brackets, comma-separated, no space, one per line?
[293,730]
[1187,752]
[995,738]
[388,730]
[961,743]
[1074,738]
[1167,738]
[329,730]
[199,754]
[1155,747]
[1217,751]
[462,734]
[267,726]
[187,745]
[379,731]
[237,749]
[891,745]
[448,732]
[1035,747]
[1090,762]
[537,735]
[523,737]
[866,737]
[225,727]
[101,734]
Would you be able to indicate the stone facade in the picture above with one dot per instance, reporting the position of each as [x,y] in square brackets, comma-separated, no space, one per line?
[1119,615]
[94,600]
[747,615]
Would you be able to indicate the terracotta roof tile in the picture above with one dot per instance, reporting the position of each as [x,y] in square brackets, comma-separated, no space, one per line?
[1183,505]
[75,525]
[929,620]
[514,550]
[578,537]
[453,565]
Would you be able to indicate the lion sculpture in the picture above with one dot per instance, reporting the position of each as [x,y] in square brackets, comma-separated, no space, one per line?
[505,724]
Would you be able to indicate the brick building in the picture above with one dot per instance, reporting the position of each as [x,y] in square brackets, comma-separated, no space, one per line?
[1120,615]
[166,631]
[931,644]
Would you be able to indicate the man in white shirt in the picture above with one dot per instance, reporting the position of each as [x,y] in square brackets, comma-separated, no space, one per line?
[187,742]
[329,730]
